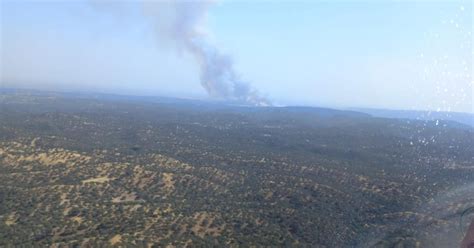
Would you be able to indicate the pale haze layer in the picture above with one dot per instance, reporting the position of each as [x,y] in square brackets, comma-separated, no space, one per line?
[404,55]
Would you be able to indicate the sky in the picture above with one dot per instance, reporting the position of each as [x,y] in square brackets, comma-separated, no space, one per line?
[414,55]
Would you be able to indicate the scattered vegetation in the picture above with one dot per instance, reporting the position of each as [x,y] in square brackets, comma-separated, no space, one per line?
[127,172]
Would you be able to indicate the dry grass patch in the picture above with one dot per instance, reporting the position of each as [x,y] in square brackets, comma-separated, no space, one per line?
[11,219]
[98,180]
[126,197]
[204,225]
[77,219]
[168,180]
[115,239]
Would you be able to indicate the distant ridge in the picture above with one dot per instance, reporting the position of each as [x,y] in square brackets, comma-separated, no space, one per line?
[463,118]
[197,104]
[288,111]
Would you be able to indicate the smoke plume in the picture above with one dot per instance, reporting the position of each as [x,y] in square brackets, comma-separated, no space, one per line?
[182,21]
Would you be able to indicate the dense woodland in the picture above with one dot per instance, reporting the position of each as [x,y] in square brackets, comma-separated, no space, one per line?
[99,170]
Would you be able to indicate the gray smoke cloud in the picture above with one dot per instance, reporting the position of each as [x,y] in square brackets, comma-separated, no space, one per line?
[182,21]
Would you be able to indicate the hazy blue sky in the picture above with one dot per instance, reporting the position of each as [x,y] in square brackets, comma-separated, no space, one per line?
[402,55]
